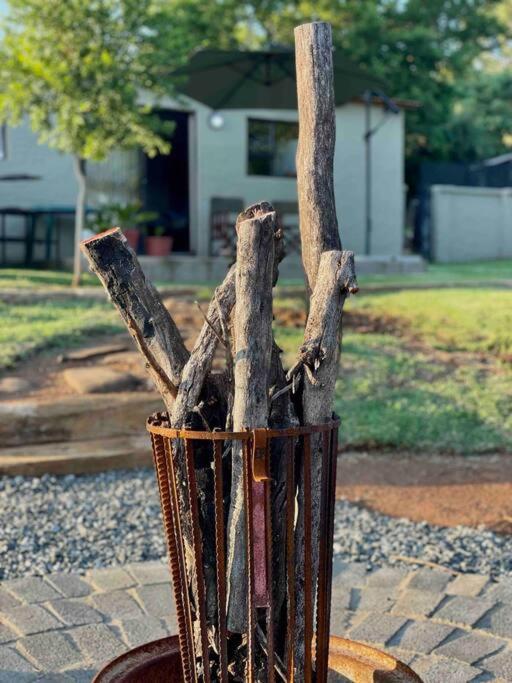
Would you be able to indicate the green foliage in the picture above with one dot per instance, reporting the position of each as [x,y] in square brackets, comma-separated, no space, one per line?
[481,123]
[424,51]
[119,215]
[77,70]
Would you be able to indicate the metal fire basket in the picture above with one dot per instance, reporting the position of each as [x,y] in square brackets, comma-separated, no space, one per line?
[181,457]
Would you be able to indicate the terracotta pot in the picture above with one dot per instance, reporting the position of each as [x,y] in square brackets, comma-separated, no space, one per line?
[158,246]
[159,662]
[132,235]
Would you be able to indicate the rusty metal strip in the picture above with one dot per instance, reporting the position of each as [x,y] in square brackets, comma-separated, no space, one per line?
[329,532]
[290,554]
[239,436]
[170,533]
[308,579]
[269,557]
[188,661]
[251,625]
[220,550]
[198,556]
[322,622]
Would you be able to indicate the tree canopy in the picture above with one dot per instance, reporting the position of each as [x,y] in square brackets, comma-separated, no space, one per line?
[436,52]
[77,70]
[77,67]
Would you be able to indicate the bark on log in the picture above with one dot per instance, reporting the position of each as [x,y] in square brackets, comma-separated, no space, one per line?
[253,345]
[318,362]
[315,151]
[140,306]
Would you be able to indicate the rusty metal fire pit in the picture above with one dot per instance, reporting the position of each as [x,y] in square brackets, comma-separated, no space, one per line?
[349,662]
[203,630]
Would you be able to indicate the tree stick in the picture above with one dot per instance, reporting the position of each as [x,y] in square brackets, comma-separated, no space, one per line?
[318,363]
[253,345]
[315,151]
[199,364]
[140,306]
[319,234]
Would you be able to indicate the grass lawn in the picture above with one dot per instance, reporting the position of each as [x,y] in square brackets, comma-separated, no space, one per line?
[426,370]
[442,274]
[439,380]
[53,324]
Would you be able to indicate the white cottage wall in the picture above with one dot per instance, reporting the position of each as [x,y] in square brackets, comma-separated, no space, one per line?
[222,171]
[218,167]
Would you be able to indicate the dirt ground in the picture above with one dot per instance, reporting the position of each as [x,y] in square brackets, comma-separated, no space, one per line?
[440,489]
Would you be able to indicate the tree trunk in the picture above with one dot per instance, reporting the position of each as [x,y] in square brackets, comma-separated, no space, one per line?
[80,173]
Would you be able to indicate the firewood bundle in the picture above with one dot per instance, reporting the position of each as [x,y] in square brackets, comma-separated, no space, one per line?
[253,391]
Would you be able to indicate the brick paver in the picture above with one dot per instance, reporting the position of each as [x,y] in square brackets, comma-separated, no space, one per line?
[63,627]
[470,647]
[498,621]
[69,585]
[31,589]
[414,602]
[423,636]
[29,619]
[463,610]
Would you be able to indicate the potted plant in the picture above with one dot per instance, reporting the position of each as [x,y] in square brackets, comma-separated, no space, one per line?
[158,244]
[129,217]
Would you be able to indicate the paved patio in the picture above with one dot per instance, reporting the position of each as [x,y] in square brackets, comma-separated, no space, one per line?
[450,628]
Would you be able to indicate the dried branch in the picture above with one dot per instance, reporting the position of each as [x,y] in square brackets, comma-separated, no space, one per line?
[140,306]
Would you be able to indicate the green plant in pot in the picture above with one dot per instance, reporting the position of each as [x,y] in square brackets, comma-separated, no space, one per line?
[129,217]
[158,244]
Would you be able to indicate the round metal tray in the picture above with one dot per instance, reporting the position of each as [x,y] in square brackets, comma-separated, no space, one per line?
[349,662]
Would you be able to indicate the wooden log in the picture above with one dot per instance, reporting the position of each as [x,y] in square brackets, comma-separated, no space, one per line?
[253,345]
[140,306]
[199,364]
[315,151]
[318,363]
[319,234]
[282,416]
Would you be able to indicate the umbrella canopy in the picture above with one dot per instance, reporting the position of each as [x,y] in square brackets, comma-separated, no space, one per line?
[233,79]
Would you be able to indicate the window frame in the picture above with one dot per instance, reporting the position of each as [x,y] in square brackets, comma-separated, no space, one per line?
[247,138]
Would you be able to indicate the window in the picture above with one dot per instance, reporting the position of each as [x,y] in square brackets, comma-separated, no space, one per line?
[3,142]
[272,147]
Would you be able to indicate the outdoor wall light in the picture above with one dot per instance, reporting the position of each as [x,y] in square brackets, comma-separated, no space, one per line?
[216,120]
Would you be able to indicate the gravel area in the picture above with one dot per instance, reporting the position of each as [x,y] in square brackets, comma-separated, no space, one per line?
[72,523]
[365,536]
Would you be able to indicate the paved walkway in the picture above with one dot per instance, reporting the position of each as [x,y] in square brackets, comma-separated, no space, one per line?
[450,629]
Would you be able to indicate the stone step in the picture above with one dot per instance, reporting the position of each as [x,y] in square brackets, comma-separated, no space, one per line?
[75,418]
[77,457]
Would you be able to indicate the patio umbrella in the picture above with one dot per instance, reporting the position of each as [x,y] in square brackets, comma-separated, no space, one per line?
[234,79]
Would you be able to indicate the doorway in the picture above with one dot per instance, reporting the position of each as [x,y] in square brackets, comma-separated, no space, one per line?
[166,183]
